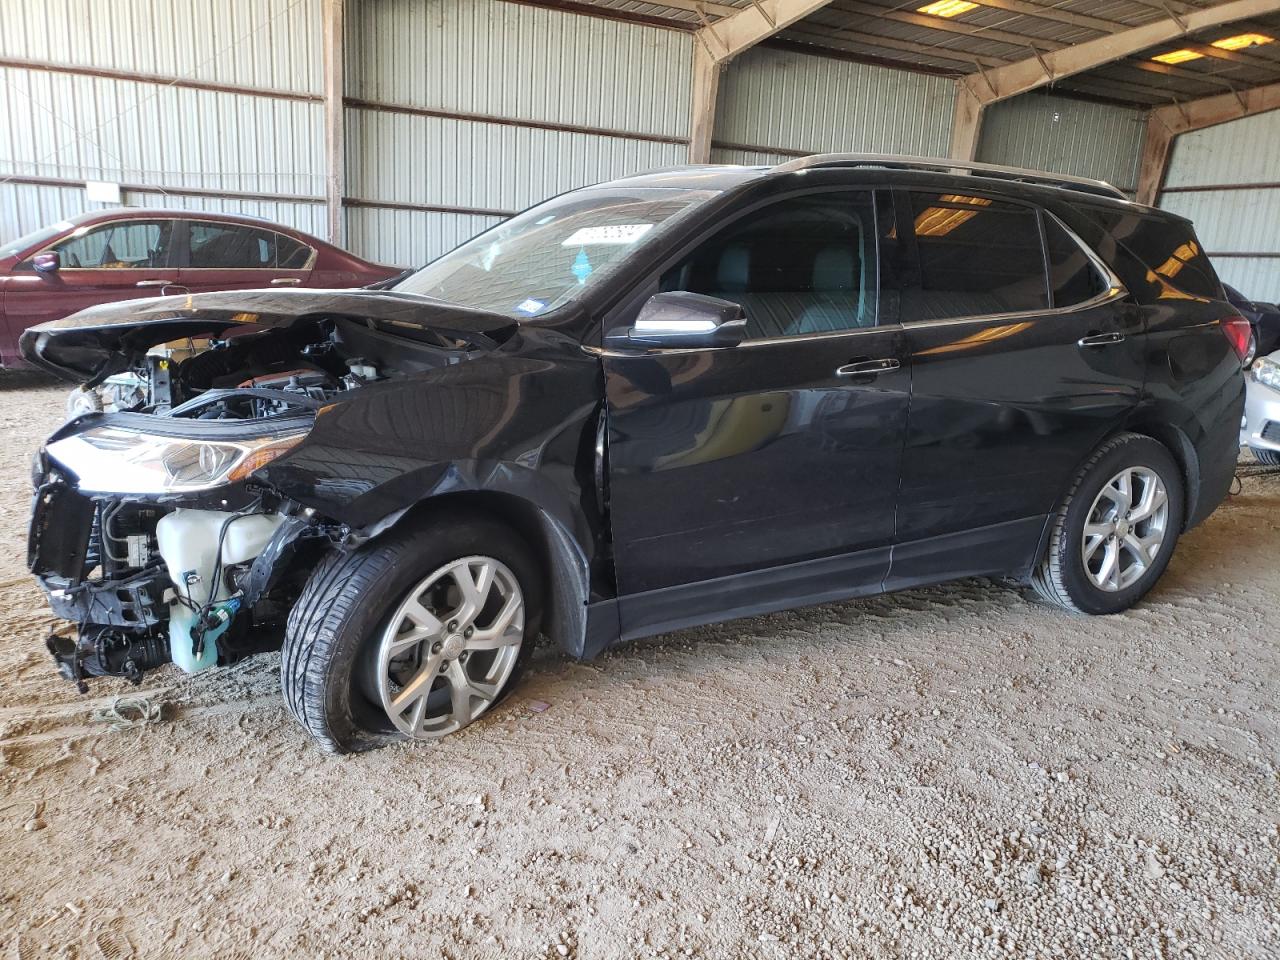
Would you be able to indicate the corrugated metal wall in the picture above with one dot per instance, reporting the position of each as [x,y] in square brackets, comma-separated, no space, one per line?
[1234,218]
[459,112]
[109,122]
[502,105]
[800,103]
[1065,136]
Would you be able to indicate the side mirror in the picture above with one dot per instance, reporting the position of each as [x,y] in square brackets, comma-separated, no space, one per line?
[47,262]
[682,320]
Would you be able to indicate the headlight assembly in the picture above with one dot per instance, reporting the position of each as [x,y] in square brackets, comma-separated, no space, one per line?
[1267,372]
[113,460]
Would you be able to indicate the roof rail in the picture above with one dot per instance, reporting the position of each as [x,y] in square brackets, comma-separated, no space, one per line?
[941,164]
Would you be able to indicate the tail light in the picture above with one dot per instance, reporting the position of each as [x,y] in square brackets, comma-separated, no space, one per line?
[1240,335]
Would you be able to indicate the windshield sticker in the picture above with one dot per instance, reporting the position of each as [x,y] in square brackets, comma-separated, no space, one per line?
[618,234]
[530,306]
[581,266]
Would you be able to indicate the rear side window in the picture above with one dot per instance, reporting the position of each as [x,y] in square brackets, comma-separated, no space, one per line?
[1073,276]
[226,247]
[973,256]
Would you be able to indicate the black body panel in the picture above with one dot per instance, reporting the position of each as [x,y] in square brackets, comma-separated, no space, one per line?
[675,487]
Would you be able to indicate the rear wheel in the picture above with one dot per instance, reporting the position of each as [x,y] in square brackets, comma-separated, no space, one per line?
[417,634]
[1270,457]
[1114,533]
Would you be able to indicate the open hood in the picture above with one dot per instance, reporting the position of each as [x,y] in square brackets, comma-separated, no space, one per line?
[94,344]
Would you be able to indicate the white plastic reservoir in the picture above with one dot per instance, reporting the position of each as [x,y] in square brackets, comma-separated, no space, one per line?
[188,541]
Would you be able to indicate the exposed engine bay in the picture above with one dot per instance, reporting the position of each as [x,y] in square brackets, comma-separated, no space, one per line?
[152,530]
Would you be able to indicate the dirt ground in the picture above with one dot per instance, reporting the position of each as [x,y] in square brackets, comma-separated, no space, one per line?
[948,772]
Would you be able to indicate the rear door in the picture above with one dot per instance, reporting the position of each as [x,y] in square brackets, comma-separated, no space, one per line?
[1025,353]
[100,263]
[764,475]
[233,256]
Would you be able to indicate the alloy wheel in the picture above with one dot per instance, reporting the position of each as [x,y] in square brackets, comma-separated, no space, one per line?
[450,647]
[1125,529]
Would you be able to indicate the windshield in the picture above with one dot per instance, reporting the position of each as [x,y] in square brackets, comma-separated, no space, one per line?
[539,259]
[35,238]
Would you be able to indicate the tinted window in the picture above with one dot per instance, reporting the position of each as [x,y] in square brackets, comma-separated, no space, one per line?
[221,246]
[1176,263]
[290,254]
[124,245]
[800,266]
[973,256]
[1073,276]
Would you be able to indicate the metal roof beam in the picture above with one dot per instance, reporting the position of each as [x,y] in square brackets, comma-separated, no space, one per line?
[976,92]
[1035,72]
[1171,121]
[715,44]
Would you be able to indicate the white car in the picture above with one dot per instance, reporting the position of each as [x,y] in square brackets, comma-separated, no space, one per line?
[1260,429]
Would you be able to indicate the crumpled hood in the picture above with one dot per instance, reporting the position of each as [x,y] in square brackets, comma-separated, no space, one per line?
[95,343]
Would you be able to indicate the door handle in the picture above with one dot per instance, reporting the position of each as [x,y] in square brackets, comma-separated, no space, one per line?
[863,367]
[167,287]
[1100,339]
[285,282]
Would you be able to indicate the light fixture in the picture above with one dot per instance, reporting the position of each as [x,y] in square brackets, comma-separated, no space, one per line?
[939,221]
[947,8]
[1242,40]
[1177,56]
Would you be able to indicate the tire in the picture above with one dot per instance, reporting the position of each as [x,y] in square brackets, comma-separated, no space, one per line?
[336,629]
[1270,457]
[1063,577]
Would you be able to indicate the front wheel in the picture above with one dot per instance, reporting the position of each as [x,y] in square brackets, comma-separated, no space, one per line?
[417,634]
[1113,535]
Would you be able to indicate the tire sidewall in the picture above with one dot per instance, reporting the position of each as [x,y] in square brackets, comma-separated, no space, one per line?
[1132,452]
[412,554]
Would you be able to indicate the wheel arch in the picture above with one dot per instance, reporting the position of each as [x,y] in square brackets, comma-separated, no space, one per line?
[1168,436]
[1184,454]
[565,563]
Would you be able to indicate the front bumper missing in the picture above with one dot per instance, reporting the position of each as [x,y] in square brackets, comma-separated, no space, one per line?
[124,614]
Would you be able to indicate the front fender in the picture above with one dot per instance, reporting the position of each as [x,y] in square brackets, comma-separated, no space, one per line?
[513,426]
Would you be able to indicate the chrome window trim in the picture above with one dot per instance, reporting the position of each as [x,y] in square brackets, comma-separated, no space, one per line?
[763,341]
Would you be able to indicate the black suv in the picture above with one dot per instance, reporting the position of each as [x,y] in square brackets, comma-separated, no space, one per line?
[666,400]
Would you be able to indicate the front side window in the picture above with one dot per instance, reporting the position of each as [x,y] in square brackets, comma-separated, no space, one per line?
[973,256]
[216,246]
[551,253]
[124,245]
[800,266]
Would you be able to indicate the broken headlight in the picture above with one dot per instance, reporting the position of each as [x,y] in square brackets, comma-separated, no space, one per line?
[114,460]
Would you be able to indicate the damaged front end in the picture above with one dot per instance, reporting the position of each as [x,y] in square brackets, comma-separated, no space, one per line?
[154,530]
[161,547]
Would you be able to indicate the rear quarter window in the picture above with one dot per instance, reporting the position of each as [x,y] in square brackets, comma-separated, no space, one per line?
[1170,250]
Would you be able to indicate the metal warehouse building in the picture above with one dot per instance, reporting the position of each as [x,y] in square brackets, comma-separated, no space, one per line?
[401,127]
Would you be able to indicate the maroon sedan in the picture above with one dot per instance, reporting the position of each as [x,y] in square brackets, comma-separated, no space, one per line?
[127,253]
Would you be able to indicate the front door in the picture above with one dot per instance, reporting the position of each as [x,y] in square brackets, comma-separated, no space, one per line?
[1025,354]
[765,475]
[105,262]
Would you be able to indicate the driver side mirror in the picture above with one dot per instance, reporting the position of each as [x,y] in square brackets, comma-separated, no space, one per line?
[680,319]
[48,262]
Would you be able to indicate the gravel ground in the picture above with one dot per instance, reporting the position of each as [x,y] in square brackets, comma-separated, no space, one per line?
[947,772]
